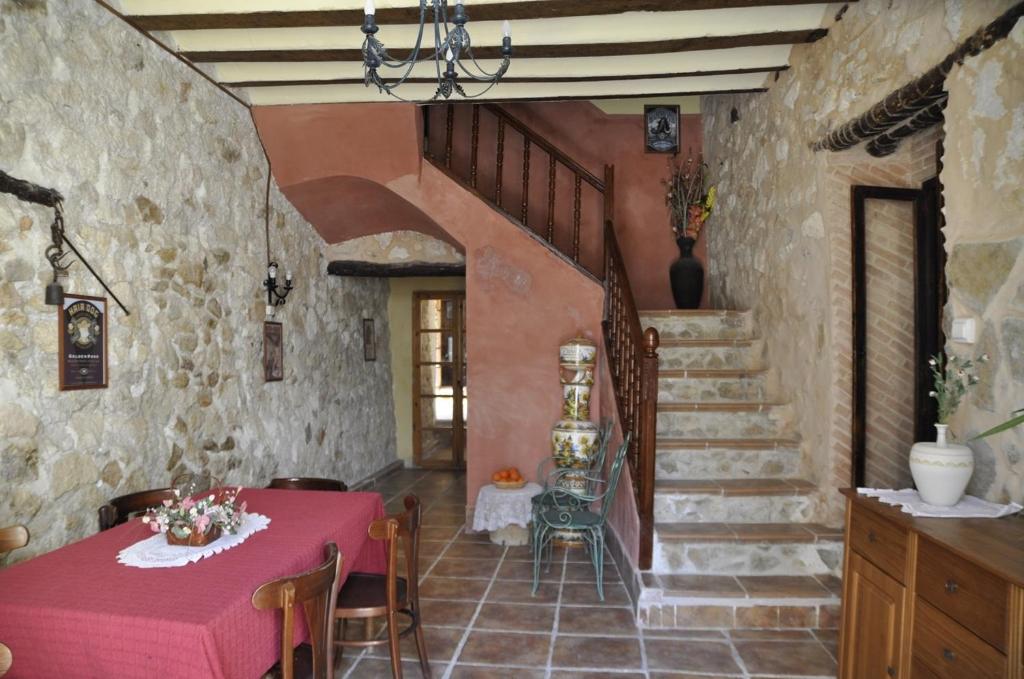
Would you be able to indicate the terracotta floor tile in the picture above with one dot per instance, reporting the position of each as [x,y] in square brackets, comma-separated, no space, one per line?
[465,568]
[519,553]
[788,658]
[523,570]
[438,532]
[701,585]
[596,652]
[771,634]
[506,648]
[447,613]
[488,672]
[583,571]
[475,550]
[710,634]
[434,587]
[583,593]
[690,656]
[558,674]
[831,583]
[375,668]
[441,644]
[596,620]
[516,617]
[519,591]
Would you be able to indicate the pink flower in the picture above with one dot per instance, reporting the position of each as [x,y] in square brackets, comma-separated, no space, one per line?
[155,527]
[187,503]
[201,523]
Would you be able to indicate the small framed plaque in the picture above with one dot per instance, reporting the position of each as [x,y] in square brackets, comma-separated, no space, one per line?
[369,343]
[83,342]
[273,351]
[661,128]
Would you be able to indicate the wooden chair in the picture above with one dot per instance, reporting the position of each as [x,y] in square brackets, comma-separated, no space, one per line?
[13,537]
[317,591]
[369,595]
[308,483]
[120,509]
[6,659]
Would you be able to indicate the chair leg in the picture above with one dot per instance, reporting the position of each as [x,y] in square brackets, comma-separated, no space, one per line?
[421,647]
[538,555]
[599,562]
[393,645]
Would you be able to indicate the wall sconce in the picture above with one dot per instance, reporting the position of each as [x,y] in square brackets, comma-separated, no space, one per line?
[276,293]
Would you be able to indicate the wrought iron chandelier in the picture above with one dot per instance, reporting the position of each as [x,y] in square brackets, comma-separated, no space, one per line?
[451,46]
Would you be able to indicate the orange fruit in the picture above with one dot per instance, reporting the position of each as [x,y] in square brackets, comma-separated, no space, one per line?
[496,476]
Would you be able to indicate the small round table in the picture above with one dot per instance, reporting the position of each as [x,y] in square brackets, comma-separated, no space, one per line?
[505,513]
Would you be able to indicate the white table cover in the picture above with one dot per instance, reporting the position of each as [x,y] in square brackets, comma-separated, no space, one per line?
[154,552]
[497,508]
[969,507]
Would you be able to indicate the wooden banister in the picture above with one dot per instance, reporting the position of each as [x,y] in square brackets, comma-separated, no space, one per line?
[632,351]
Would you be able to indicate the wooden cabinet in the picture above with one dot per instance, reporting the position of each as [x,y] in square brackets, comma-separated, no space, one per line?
[931,598]
[874,605]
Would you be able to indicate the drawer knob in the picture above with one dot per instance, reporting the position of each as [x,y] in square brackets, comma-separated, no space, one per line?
[948,655]
[951,586]
[891,671]
[872,537]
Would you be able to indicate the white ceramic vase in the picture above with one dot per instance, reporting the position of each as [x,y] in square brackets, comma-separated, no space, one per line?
[941,470]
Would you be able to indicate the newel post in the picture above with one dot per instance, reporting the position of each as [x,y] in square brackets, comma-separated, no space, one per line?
[648,432]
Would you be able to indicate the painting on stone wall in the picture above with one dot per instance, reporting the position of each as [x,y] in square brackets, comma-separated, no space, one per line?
[661,129]
[83,342]
[273,351]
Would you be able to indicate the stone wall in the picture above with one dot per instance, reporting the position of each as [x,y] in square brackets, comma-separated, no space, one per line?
[163,177]
[983,172]
[780,245]
[395,247]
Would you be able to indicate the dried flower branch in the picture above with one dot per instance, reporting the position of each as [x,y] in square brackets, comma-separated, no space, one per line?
[953,377]
[688,202]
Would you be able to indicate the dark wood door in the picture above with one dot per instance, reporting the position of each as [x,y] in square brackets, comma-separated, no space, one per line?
[440,390]
[872,622]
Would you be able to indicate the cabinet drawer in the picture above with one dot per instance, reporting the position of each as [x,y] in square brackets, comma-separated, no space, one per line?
[972,596]
[944,649]
[882,542]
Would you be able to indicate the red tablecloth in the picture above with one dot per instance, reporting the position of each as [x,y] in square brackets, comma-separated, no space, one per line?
[77,612]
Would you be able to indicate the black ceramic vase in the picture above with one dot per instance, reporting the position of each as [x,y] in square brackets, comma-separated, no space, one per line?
[687,276]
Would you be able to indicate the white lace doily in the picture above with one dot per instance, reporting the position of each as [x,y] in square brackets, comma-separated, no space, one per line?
[497,508]
[154,552]
[969,507]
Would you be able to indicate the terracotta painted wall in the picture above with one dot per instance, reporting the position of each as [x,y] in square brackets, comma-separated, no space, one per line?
[522,301]
[594,138]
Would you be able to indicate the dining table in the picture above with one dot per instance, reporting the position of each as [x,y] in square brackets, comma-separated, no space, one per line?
[78,612]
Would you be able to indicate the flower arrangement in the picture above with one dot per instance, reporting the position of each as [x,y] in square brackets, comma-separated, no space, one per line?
[196,522]
[953,377]
[689,203]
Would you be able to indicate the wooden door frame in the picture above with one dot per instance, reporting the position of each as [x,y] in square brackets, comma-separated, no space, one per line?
[458,424]
[859,194]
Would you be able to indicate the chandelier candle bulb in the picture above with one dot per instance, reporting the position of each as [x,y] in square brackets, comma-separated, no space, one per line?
[272,271]
[288,276]
[369,10]
[506,28]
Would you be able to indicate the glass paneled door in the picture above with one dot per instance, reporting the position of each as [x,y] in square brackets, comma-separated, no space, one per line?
[439,379]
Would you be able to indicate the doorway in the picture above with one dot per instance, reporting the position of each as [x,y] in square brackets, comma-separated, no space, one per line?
[898,264]
[440,396]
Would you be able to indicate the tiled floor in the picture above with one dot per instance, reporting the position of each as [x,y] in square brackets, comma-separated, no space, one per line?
[481,621]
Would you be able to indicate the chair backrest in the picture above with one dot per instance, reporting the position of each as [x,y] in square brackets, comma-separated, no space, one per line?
[308,483]
[317,591]
[13,537]
[403,530]
[613,475]
[6,659]
[122,508]
[604,438]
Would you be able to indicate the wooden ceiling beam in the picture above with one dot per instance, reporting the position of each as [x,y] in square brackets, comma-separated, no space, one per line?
[532,51]
[508,79]
[512,10]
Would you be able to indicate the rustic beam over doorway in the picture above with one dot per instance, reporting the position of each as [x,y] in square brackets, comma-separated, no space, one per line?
[403,270]
[916,96]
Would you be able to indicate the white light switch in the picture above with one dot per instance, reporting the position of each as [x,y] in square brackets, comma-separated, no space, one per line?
[963,330]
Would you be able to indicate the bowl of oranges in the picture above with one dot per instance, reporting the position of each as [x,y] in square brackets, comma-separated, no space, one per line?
[508,478]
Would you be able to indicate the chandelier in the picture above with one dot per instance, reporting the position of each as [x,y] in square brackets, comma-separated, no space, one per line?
[452,47]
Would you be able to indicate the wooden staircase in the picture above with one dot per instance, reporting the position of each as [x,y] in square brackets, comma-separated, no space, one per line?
[735,541]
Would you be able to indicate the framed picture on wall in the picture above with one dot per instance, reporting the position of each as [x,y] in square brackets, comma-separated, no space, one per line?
[369,343]
[661,128]
[82,333]
[273,351]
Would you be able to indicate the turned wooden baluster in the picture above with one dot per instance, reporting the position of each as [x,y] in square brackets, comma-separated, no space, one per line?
[576,221]
[647,438]
[449,126]
[551,197]
[474,145]
[501,161]
[526,180]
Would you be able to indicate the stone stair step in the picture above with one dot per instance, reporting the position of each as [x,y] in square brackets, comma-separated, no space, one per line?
[744,601]
[668,443]
[747,549]
[734,500]
[698,323]
[724,420]
[712,385]
[709,354]
[723,462]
